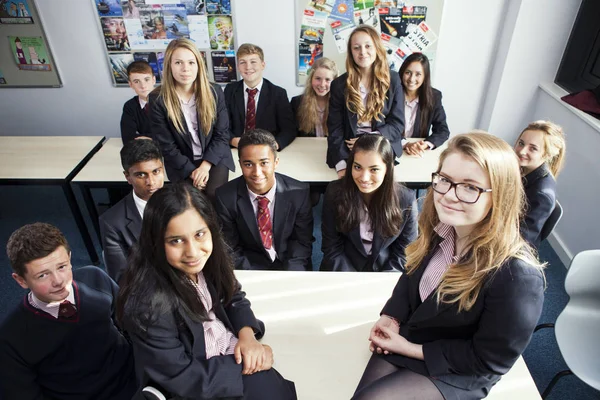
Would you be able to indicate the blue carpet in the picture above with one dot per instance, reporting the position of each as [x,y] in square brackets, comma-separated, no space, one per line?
[20,205]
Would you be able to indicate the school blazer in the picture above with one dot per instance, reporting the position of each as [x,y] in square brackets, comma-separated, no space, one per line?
[273,112]
[177,147]
[437,122]
[172,353]
[292,225]
[295,103]
[120,228]
[342,124]
[540,191]
[345,252]
[469,349]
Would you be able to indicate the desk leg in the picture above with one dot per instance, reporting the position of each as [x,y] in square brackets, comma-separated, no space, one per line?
[86,191]
[87,239]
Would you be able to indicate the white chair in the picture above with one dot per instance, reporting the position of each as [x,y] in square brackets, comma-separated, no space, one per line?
[578,325]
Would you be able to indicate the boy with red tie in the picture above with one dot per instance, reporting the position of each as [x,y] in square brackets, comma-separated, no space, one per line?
[135,120]
[60,342]
[255,102]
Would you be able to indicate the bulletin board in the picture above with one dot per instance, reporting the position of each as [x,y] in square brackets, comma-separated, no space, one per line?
[323,26]
[134,30]
[25,56]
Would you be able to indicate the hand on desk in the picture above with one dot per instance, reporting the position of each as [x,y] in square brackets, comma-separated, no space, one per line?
[378,331]
[256,357]
[350,143]
[416,148]
[199,176]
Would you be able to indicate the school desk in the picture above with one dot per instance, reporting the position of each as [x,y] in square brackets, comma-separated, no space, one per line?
[49,160]
[318,328]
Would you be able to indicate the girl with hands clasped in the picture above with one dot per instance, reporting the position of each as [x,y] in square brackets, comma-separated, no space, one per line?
[423,110]
[367,99]
[471,296]
[191,327]
[541,150]
[190,121]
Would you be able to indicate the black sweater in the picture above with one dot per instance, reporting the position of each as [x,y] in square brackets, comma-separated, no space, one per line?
[134,121]
[42,357]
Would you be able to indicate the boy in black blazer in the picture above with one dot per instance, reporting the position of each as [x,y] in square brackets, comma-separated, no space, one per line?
[266,217]
[269,107]
[135,120]
[60,341]
[120,226]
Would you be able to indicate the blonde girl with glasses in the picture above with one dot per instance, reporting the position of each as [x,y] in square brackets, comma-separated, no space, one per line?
[466,307]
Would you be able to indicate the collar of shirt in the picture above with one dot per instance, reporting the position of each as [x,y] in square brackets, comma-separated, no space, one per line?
[411,104]
[142,102]
[139,204]
[51,308]
[259,87]
[191,102]
[446,232]
[269,195]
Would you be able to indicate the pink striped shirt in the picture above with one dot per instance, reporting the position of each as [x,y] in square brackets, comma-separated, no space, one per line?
[217,339]
[51,308]
[439,262]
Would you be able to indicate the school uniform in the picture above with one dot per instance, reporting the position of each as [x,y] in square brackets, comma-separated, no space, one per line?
[466,352]
[172,354]
[273,111]
[347,251]
[135,119]
[83,357]
[120,228]
[178,148]
[540,191]
[295,103]
[436,123]
[292,225]
[343,124]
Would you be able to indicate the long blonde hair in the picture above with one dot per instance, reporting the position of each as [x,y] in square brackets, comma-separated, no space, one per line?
[495,239]
[380,79]
[308,117]
[205,97]
[554,143]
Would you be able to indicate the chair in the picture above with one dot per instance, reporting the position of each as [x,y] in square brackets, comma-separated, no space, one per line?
[551,222]
[152,393]
[577,326]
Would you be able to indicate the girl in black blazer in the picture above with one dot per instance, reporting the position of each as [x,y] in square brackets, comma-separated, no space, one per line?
[471,296]
[189,120]
[368,98]
[368,219]
[191,327]
[541,152]
[311,108]
[423,106]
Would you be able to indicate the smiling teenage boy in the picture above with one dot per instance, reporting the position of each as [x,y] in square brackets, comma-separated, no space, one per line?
[255,102]
[60,341]
[266,217]
[120,226]
[135,120]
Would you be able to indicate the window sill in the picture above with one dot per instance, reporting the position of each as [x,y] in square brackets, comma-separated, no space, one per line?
[556,92]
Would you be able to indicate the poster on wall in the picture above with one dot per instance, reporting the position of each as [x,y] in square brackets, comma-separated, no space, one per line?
[30,53]
[119,63]
[175,20]
[15,12]
[307,55]
[220,30]
[368,16]
[151,59]
[223,65]
[218,7]
[109,8]
[115,34]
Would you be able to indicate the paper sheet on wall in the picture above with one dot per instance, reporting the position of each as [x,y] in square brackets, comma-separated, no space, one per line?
[176,23]
[220,30]
[135,34]
[30,53]
[307,55]
[198,25]
[419,37]
[321,5]
[343,10]
[313,26]
[13,13]
[223,64]
[369,16]
[119,63]
[341,31]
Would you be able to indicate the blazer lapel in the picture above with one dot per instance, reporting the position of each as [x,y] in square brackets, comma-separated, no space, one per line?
[280,212]
[187,136]
[134,226]
[356,240]
[247,211]
[416,133]
[239,104]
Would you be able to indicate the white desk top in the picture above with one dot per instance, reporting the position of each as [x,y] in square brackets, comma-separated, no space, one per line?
[304,159]
[318,329]
[43,157]
[105,166]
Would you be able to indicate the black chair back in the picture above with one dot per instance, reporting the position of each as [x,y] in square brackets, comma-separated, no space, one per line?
[551,222]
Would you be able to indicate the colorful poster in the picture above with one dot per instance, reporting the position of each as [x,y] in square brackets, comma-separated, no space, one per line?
[153,26]
[220,30]
[420,37]
[175,19]
[119,63]
[401,53]
[391,44]
[131,8]
[115,34]
[151,59]
[15,12]
[223,65]
[341,32]
[307,55]
[387,3]
[363,4]
[412,15]
[391,21]
[368,16]
[221,7]
[109,8]
[160,58]
[198,25]
[313,26]
[30,53]
[194,7]
[135,34]
[2,80]
[321,5]
[343,10]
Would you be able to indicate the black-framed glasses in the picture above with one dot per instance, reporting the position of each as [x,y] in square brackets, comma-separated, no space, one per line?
[465,192]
